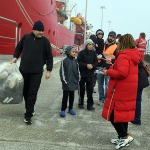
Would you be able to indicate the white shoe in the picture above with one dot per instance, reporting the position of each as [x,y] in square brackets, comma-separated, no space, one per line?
[116,141]
[130,138]
[122,143]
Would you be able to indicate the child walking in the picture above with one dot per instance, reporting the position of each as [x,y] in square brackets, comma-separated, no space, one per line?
[70,76]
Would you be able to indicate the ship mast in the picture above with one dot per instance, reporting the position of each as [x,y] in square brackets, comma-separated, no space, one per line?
[85,21]
[66,23]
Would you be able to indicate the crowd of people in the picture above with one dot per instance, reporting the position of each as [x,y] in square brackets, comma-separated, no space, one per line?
[119,61]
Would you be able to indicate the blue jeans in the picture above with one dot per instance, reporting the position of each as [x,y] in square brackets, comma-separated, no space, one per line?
[138,106]
[102,86]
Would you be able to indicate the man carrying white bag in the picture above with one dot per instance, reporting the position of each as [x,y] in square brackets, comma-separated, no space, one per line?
[11,84]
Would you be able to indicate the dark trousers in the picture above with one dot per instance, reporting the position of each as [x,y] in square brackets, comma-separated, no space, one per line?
[87,83]
[32,83]
[120,127]
[138,106]
[67,94]
[94,80]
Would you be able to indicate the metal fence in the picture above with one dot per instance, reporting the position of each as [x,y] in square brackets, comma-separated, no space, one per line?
[148,47]
[147,52]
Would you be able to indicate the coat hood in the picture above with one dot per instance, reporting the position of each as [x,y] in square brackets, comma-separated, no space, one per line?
[133,54]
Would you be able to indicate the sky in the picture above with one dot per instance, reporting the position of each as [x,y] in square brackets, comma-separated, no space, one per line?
[126,16]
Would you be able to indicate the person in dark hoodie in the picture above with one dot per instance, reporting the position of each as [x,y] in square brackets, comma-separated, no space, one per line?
[87,60]
[36,51]
[99,43]
[70,76]
[142,83]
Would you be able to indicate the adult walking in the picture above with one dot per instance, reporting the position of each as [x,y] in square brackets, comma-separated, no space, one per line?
[36,51]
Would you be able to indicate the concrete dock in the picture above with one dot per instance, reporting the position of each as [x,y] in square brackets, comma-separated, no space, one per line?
[84,131]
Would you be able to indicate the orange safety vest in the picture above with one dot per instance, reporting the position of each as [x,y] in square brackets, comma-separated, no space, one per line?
[109,52]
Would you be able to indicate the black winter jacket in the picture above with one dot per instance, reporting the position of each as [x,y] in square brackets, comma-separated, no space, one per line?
[142,77]
[35,53]
[100,43]
[69,74]
[87,57]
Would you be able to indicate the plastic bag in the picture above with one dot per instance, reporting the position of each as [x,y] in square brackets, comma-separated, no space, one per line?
[11,84]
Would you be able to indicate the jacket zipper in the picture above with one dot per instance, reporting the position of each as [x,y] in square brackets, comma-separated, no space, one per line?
[110,103]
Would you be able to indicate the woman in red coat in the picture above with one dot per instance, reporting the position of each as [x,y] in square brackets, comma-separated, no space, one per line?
[120,104]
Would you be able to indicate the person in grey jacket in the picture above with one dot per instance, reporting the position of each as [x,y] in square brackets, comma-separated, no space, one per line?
[70,76]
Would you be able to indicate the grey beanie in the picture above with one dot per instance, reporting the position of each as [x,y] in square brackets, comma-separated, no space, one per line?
[87,42]
[68,49]
[112,33]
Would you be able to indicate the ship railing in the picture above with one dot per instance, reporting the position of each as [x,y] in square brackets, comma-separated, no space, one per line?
[148,47]
[59,50]
[63,1]
[147,52]
[16,32]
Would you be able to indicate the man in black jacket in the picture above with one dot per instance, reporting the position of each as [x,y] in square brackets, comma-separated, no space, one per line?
[87,60]
[36,51]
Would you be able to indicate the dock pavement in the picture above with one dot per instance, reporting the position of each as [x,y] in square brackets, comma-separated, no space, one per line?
[87,130]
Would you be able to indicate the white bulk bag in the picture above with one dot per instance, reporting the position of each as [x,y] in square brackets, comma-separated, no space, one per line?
[11,84]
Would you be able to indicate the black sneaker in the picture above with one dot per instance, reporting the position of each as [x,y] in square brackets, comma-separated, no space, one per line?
[80,106]
[91,108]
[27,120]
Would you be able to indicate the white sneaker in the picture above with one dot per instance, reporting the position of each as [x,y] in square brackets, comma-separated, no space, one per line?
[130,138]
[122,143]
[116,141]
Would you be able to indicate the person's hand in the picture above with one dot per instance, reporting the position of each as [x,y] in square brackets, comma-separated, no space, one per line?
[108,61]
[99,56]
[14,60]
[96,45]
[47,75]
[89,66]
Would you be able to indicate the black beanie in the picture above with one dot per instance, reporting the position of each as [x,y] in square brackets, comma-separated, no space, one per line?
[38,25]
[112,33]
[99,31]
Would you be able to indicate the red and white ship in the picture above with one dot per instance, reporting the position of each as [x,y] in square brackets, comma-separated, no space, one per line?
[18,16]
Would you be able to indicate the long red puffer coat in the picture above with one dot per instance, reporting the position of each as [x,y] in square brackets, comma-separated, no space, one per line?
[122,89]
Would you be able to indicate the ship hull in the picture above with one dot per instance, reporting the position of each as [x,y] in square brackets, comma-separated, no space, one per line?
[25,13]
